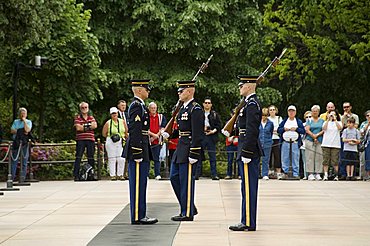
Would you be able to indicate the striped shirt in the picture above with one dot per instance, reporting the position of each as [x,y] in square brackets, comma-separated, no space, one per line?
[84,135]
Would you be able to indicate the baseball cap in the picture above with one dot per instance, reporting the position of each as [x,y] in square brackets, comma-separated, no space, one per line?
[292,107]
[113,110]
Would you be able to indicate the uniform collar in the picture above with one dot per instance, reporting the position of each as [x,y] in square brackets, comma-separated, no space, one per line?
[138,98]
[187,103]
[249,96]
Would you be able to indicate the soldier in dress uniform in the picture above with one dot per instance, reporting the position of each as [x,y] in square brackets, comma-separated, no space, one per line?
[249,152]
[137,152]
[190,120]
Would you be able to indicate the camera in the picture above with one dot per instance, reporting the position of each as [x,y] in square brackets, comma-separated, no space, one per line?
[115,138]
[87,126]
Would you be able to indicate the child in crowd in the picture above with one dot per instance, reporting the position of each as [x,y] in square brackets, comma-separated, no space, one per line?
[351,138]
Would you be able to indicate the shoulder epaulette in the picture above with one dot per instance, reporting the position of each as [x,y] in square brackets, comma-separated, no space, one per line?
[196,106]
[253,101]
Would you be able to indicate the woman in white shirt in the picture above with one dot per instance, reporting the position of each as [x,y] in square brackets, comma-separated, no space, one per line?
[275,161]
[331,143]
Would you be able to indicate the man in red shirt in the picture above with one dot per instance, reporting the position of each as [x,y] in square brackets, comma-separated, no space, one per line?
[85,125]
[157,124]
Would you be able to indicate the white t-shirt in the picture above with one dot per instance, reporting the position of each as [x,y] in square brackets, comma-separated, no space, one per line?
[291,123]
[206,120]
[331,137]
[276,121]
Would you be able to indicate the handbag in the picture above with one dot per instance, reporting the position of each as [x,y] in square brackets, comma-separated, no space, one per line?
[115,137]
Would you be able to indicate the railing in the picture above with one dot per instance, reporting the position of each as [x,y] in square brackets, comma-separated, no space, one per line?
[18,155]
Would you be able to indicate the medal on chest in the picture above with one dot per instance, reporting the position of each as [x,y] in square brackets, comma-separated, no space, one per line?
[184,116]
[241,112]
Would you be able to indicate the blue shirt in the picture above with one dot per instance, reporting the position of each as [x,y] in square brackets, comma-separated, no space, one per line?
[266,132]
[315,127]
[18,124]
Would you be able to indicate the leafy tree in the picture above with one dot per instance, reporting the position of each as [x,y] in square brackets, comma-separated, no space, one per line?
[329,47]
[168,40]
[58,30]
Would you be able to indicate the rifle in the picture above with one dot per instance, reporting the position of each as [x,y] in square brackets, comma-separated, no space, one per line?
[228,128]
[179,103]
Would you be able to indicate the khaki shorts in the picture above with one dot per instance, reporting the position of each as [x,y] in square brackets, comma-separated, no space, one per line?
[330,156]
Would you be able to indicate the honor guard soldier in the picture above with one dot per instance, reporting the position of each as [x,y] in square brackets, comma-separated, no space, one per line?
[190,120]
[249,152]
[137,152]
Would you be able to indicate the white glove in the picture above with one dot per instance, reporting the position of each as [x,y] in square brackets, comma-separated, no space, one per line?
[246,160]
[165,135]
[192,160]
[226,133]
[138,160]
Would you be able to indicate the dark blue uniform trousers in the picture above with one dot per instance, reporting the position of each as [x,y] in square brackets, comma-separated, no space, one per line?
[249,188]
[138,178]
[183,184]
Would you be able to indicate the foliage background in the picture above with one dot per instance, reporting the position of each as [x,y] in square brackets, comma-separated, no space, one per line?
[95,47]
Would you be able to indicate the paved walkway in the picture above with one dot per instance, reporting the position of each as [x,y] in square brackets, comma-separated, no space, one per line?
[289,212]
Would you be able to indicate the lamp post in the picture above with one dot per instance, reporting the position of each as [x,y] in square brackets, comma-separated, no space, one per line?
[39,61]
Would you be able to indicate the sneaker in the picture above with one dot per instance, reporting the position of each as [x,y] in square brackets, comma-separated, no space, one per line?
[279,176]
[265,178]
[318,177]
[311,177]
[121,178]
[239,177]
[228,177]
[325,178]
[348,178]
[284,176]
[158,177]
[113,178]
[304,178]
[336,178]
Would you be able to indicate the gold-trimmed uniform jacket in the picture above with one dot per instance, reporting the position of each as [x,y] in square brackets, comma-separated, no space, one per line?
[138,145]
[190,120]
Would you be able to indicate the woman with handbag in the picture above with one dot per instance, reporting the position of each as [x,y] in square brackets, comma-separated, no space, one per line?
[114,132]
[365,132]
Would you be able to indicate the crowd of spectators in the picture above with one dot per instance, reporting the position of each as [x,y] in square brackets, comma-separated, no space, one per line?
[318,147]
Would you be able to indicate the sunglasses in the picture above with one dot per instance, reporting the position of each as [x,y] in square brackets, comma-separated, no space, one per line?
[346,106]
[207,103]
[308,117]
[271,109]
[83,107]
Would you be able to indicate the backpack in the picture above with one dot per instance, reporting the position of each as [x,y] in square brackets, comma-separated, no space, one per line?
[87,173]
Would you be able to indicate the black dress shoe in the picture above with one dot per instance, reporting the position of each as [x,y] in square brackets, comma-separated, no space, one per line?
[195,211]
[241,227]
[182,218]
[145,221]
